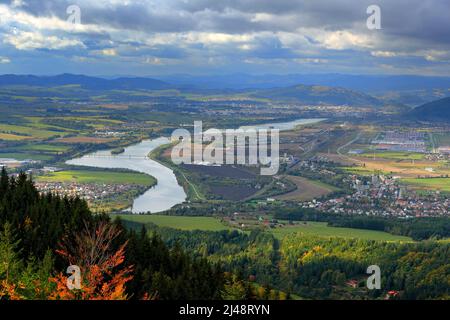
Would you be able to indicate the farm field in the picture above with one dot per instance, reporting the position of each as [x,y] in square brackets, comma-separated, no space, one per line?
[306,189]
[28,131]
[85,176]
[48,148]
[12,137]
[225,182]
[442,139]
[233,192]
[404,169]
[221,172]
[212,224]
[363,171]
[178,222]
[434,184]
[25,156]
[393,155]
[323,230]
[84,139]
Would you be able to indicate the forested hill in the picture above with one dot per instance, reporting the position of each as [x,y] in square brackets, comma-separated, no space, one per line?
[41,235]
[434,111]
[316,267]
[85,82]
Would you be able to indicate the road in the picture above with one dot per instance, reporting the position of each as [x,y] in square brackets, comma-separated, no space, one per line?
[339,150]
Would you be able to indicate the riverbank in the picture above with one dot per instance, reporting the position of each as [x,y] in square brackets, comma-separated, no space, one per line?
[193,194]
[163,196]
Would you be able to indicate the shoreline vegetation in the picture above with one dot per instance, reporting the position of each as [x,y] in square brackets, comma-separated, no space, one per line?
[191,190]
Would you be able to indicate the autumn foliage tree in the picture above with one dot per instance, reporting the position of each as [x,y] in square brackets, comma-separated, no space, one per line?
[103,276]
[41,235]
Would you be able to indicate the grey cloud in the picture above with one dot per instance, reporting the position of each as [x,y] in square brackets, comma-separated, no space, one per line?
[420,19]
[409,26]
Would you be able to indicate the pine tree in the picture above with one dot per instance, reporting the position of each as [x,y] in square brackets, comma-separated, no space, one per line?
[10,263]
[4,182]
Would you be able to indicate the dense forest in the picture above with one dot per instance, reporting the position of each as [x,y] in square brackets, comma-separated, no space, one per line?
[324,268]
[41,235]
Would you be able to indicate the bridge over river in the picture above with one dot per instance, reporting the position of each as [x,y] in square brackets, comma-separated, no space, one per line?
[119,156]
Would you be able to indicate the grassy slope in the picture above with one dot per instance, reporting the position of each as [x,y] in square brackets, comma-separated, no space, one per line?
[25,156]
[178,222]
[321,229]
[442,184]
[213,224]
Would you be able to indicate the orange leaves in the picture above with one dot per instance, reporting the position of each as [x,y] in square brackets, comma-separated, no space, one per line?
[103,276]
[95,286]
[9,291]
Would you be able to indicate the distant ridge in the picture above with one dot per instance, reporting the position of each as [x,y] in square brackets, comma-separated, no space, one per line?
[438,111]
[299,93]
[319,95]
[365,83]
[85,82]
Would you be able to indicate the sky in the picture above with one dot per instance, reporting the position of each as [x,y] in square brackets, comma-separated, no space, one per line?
[160,37]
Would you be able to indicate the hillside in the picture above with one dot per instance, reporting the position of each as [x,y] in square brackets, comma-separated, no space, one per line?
[318,95]
[434,111]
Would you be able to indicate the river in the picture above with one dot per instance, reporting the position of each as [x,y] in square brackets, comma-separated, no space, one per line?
[167,193]
[283,126]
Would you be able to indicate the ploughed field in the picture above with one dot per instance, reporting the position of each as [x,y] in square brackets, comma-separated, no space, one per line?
[307,190]
[223,182]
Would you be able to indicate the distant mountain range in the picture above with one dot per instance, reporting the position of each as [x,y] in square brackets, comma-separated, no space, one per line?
[299,93]
[241,81]
[308,89]
[434,111]
[365,83]
[85,82]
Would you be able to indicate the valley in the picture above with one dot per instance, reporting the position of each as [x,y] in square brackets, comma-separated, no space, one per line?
[351,169]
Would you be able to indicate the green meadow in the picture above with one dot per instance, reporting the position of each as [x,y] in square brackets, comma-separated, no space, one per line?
[48,148]
[323,230]
[178,222]
[393,155]
[29,131]
[441,184]
[310,229]
[25,156]
[86,176]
